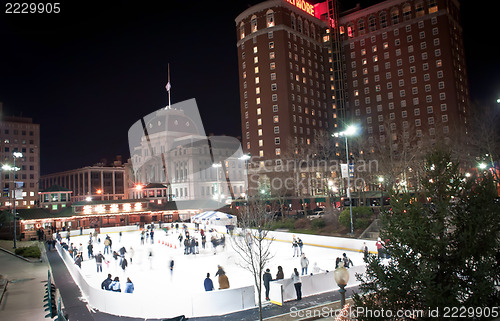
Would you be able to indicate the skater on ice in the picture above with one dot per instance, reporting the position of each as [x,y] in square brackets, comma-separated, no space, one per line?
[208,284]
[106,283]
[129,286]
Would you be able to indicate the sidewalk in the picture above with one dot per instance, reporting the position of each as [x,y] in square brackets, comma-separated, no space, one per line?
[23,297]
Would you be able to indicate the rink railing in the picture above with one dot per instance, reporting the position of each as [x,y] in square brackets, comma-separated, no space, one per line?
[167,305]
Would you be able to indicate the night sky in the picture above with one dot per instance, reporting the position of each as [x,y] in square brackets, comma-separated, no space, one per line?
[88,73]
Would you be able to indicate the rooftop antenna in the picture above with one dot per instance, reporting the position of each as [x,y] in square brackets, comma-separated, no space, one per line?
[167,87]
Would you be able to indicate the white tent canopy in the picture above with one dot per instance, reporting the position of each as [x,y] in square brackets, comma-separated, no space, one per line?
[214,218]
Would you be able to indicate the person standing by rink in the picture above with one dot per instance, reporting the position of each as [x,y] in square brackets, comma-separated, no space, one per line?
[142,237]
[152,236]
[295,247]
[365,251]
[304,263]
[280,275]
[90,249]
[297,283]
[208,284]
[106,283]
[380,248]
[98,260]
[107,246]
[115,285]
[300,244]
[120,236]
[267,278]
[223,280]
[129,286]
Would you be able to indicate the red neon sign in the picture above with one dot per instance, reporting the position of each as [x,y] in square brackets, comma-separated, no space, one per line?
[302,5]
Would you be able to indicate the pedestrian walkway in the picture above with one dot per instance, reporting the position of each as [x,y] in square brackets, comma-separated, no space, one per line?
[23,297]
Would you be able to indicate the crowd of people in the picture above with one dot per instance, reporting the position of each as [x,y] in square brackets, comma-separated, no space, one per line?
[122,257]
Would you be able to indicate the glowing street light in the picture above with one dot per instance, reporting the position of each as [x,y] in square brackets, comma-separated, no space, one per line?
[349,131]
[482,166]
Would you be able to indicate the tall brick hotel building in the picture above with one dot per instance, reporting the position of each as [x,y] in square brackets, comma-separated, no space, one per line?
[396,69]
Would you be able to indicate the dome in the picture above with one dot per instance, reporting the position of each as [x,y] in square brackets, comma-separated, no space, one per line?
[172,121]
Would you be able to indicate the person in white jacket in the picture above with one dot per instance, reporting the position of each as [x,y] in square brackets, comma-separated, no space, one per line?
[304,263]
[297,283]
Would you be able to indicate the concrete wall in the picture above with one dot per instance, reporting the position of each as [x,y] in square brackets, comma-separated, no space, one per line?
[167,305]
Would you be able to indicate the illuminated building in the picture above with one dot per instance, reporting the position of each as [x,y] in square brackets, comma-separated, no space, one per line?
[396,69]
[19,134]
[99,182]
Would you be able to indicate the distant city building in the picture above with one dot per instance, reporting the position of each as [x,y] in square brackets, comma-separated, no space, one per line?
[396,69]
[173,152]
[19,134]
[99,182]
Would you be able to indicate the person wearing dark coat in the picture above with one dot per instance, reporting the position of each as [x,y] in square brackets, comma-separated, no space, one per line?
[98,260]
[124,264]
[78,260]
[105,284]
[90,249]
[267,278]
[209,285]
[280,275]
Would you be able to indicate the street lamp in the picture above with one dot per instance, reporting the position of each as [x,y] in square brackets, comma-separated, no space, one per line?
[349,131]
[341,276]
[15,156]
[217,165]
[246,158]
[381,181]
[482,166]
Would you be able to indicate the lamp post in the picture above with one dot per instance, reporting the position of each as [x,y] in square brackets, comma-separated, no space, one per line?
[349,131]
[341,276]
[381,181]
[15,155]
[245,158]
[217,165]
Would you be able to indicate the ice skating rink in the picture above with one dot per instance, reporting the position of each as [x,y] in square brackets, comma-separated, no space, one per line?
[152,274]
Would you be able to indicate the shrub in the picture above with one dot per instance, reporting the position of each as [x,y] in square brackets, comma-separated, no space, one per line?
[302,223]
[30,251]
[361,217]
[285,224]
[318,223]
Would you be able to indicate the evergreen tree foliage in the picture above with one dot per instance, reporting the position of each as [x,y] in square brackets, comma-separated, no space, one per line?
[444,244]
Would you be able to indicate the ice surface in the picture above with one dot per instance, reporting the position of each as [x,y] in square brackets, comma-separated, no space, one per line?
[190,270]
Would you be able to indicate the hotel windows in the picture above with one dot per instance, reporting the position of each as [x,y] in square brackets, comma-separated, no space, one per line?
[437,52]
[259,122]
[275,108]
[253,22]
[427,77]
[423,45]
[258,100]
[276,119]
[274,97]
[257,90]
[429,109]
[272,55]
[444,118]
[259,132]
[255,60]
[270,18]
[443,107]
[255,50]
[273,76]
[272,65]
[276,140]
[440,74]
[261,154]
[441,85]
[442,96]
[273,87]
[256,70]
[276,129]
[425,66]
[430,120]
[259,111]
[261,142]
[428,99]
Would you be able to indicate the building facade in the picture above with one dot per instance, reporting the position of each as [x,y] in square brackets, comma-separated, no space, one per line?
[98,182]
[404,70]
[395,69]
[284,81]
[19,134]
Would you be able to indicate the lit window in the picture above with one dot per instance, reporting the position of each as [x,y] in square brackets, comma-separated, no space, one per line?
[259,122]
[259,132]
[261,142]
[276,119]
[258,100]
[278,151]
[270,18]
[253,22]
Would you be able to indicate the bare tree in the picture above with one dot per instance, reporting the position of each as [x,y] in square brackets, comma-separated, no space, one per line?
[253,244]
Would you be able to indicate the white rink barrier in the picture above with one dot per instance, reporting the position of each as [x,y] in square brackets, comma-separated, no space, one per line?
[169,304]
[116,229]
[284,290]
[333,242]
[76,232]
